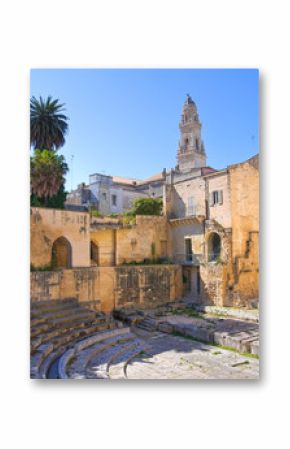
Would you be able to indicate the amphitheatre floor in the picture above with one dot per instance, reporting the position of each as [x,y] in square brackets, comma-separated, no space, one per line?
[172,357]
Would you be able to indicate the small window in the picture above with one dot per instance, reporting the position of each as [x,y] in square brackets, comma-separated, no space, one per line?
[188,249]
[114,200]
[94,254]
[198,281]
[190,206]
[104,196]
[216,197]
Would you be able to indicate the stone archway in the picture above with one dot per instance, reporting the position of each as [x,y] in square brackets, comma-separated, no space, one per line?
[61,253]
[213,247]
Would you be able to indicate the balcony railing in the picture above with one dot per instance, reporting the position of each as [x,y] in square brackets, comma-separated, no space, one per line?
[188,259]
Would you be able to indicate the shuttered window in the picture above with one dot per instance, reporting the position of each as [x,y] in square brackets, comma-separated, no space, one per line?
[216,197]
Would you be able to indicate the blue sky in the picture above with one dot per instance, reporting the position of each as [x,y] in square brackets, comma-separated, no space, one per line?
[124,122]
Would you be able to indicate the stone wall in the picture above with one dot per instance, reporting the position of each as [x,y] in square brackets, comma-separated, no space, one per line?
[146,239]
[109,287]
[219,212]
[143,241]
[47,225]
[244,277]
[179,232]
[181,206]
[213,284]
[105,241]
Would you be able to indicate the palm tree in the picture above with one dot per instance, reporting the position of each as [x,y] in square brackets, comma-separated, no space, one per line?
[48,125]
[47,172]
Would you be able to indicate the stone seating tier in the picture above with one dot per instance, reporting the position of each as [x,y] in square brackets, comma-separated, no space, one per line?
[58,325]
[93,357]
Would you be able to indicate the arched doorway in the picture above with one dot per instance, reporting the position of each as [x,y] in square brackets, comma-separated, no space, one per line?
[94,254]
[214,247]
[61,254]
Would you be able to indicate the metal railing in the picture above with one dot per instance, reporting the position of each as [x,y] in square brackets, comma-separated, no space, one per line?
[188,259]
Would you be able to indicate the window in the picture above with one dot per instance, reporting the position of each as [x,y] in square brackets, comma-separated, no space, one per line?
[114,200]
[188,249]
[104,196]
[198,281]
[216,197]
[190,206]
[94,254]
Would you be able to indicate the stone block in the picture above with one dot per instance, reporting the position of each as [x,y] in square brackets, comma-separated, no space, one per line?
[165,327]
[199,333]
[255,347]
[219,338]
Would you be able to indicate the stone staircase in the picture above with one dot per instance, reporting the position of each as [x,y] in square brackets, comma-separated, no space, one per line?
[57,326]
[148,324]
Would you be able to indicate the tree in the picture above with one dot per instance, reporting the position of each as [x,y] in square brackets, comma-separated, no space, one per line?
[48,125]
[147,206]
[47,170]
[57,201]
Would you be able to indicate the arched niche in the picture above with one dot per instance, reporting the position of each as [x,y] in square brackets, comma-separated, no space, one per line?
[61,253]
[213,247]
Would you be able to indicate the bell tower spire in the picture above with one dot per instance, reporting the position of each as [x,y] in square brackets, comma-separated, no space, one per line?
[191,152]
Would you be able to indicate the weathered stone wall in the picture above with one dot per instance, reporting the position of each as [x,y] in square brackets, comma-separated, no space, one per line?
[110,287]
[219,212]
[147,286]
[179,232]
[105,241]
[47,225]
[146,239]
[213,284]
[143,241]
[180,205]
[244,186]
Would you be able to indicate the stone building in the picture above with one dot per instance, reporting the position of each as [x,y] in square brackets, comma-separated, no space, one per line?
[113,194]
[209,229]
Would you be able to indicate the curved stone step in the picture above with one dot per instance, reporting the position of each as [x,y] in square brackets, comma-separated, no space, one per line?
[42,306]
[84,345]
[47,362]
[84,316]
[96,354]
[50,333]
[59,348]
[76,310]
[37,359]
[119,369]
[99,367]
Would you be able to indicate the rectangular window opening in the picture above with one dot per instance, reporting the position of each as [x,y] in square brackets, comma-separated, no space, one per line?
[188,249]
[114,200]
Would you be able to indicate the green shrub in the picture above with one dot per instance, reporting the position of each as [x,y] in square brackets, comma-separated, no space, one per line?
[146,206]
[48,267]
[96,213]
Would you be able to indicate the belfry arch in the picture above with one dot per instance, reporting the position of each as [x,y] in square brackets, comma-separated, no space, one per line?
[61,253]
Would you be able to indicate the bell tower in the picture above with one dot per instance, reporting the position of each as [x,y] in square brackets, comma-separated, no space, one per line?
[191,152]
